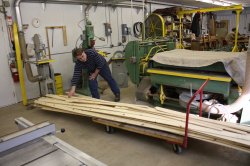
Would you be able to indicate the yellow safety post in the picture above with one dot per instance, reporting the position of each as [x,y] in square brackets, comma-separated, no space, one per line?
[180,46]
[58,83]
[19,65]
[162,25]
[162,95]
[235,49]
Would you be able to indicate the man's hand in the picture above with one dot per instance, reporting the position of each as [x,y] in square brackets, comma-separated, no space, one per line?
[72,91]
[92,76]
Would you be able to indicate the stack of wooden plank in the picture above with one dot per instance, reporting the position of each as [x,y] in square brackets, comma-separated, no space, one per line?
[223,133]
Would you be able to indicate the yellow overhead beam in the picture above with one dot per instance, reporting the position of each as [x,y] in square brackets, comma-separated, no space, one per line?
[214,9]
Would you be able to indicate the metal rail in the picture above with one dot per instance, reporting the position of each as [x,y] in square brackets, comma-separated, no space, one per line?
[199,91]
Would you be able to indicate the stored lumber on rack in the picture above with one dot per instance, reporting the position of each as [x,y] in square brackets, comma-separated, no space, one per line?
[164,120]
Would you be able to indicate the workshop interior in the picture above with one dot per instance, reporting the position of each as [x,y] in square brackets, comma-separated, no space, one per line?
[186,60]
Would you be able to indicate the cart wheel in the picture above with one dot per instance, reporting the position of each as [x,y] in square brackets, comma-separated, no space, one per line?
[109,129]
[177,149]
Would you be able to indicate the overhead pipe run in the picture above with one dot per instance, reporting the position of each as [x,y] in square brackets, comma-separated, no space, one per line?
[81,2]
[87,11]
[166,3]
[240,102]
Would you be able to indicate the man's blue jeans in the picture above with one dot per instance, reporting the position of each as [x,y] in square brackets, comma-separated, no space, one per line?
[106,75]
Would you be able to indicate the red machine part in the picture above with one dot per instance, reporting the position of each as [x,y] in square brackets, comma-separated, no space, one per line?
[14,72]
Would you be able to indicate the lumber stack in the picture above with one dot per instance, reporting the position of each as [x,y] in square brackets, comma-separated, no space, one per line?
[223,133]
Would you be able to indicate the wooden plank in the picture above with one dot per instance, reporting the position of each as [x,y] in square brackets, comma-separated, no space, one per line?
[156,121]
[141,130]
[231,135]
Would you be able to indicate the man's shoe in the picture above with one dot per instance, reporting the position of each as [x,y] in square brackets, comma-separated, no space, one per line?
[117,97]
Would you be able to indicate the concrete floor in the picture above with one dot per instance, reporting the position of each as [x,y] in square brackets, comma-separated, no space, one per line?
[123,148]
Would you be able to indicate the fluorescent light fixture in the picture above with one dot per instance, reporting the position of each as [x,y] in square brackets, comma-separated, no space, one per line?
[206,1]
[218,2]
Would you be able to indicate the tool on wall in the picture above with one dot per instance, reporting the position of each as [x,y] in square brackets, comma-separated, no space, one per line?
[125,32]
[52,40]
[108,29]
[137,29]
[108,32]
[52,28]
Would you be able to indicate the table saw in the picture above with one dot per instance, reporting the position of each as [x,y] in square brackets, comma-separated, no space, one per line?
[37,145]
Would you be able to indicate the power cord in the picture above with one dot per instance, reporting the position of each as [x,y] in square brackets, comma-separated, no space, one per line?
[137,29]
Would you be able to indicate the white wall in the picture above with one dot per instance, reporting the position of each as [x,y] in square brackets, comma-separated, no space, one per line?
[244,20]
[7,90]
[70,16]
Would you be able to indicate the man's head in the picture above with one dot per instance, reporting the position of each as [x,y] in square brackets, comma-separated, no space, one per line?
[80,55]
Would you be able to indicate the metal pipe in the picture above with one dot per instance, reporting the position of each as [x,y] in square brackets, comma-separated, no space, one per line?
[87,12]
[167,4]
[235,48]
[240,102]
[80,2]
[18,15]
[22,42]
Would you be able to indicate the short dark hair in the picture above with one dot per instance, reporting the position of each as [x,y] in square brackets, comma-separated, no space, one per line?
[233,29]
[78,51]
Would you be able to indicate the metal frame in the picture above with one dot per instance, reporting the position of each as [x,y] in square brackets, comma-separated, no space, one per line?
[26,135]
[47,134]
[237,8]
[199,91]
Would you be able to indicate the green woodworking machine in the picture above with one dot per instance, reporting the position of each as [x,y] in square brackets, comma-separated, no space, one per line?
[170,85]
[165,83]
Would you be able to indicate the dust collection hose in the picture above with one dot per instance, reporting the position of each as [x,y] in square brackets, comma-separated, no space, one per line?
[240,102]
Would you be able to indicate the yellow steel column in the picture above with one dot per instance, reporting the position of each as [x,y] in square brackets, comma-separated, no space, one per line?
[19,65]
[162,95]
[180,33]
[235,49]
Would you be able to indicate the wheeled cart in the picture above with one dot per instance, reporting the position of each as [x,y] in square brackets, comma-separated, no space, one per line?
[176,140]
[110,127]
